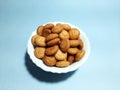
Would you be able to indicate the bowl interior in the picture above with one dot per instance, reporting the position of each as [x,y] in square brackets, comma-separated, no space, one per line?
[72,67]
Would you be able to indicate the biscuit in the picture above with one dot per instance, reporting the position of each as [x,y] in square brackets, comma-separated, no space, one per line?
[49,26]
[74,33]
[33,39]
[64,34]
[49,60]
[74,43]
[60,55]
[40,41]
[39,52]
[59,24]
[81,44]
[46,32]
[51,50]
[73,50]
[62,64]
[64,45]
[66,27]
[79,55]
[53,42]
[39,30]
[71,59]
[57,29]
[51,36]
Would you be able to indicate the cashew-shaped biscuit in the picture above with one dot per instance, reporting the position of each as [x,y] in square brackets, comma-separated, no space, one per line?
[81,44]
[57,29]
[60,55]
[39,30]
[46,32]
[49,26]
[64,45]
[64,34]
[71,58]
[79,55]
[51,36]
[39,52]
[62,64]
[73,50]
[49,60]
[53,42]
[74,33]
[66,27]
[51,50]
[74,43]
[33,39]
[40,41]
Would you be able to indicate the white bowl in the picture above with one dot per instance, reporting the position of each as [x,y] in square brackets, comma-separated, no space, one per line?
[72,67]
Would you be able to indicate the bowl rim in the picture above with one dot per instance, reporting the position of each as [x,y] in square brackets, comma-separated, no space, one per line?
[71,67]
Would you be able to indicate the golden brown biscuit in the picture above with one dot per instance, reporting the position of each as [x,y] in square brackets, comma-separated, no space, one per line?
[64,35]
[81,44]
[40,41]
[46,32]
[57,29]
[53,42]
[64,45]
[51,36]
[39,52]
[79,55]
[71,59]
[49,26]
[74,33]
[59,24]
[74,43]
[51,50]
[39,30]
[60,55]
[73,50]
[62,64]
[33,39]
[49,60]
[66,27]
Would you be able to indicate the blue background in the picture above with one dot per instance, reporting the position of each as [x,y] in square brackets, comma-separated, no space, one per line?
[100,19]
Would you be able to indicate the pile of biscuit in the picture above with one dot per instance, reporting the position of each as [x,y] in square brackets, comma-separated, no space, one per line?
[58,45]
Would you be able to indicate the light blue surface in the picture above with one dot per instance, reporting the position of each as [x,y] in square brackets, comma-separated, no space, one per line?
[100,19]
